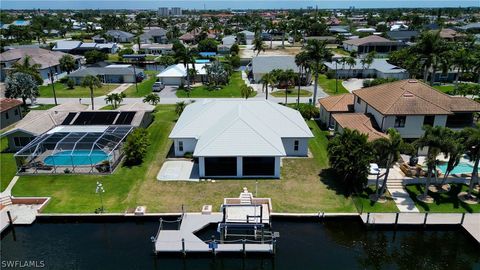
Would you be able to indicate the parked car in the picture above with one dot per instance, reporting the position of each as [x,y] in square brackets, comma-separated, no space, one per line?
[157,87]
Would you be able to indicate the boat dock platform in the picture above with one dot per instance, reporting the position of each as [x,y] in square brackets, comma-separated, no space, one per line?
[184,240]
[469,221]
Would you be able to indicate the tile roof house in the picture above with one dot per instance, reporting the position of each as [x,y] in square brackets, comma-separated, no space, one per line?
[405,36]
[119,36]
[407,106]
[155,35]
[10,111]
[48,60]
[370,43]
[333,105]
[379,68]
[449,34]
[240,139]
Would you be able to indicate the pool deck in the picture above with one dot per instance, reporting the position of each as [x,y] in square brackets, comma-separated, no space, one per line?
[171,240]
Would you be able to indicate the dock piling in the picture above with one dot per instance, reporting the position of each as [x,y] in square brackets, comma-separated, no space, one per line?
[243,247]
[10,217]
[463,218]
[183,248]
[425,219]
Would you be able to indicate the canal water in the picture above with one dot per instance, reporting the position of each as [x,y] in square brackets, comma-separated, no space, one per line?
[303,244]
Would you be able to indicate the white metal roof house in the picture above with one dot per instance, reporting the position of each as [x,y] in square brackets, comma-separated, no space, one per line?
[262,65]
[379,68]
[176,74]
[240,139]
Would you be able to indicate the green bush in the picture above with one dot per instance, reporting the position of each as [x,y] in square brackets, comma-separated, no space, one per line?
[308,111]
[330,74]
[70,83]
[135,147]
[63,80]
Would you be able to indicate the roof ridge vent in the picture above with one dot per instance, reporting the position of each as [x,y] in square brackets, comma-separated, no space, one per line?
[412,81]
[408,94]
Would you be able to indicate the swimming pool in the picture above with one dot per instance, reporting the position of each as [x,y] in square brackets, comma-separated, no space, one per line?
[202,61]
[461,168]
[77,157]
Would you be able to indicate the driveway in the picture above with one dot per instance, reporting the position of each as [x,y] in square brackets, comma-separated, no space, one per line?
[168,92]
[353,84]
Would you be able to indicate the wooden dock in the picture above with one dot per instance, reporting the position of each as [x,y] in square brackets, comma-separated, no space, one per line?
[469,221]
[185,241]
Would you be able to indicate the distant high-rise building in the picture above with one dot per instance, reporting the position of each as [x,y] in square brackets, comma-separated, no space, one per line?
[163,12]
[176,11]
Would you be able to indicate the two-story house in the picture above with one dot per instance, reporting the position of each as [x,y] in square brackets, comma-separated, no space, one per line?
[405,105]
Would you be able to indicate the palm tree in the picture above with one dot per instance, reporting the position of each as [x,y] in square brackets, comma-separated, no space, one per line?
[428,48]
[368,60]
[271,28]
[179,107]
[454,148]
[186,56]
[461,60]
[25,66]
[246,91]
[283,27]
[434,139]
[115,99]
[269,79]
[472,144]
[317,52]
[301,60]
[91,82]
[351,62]
[152,99]
[67,63]
[258,44]
[391,148]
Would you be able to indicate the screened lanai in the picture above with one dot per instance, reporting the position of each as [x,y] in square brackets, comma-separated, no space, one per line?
[74,149]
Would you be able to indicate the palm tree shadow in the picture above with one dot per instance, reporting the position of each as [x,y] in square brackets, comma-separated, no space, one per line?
[331,180]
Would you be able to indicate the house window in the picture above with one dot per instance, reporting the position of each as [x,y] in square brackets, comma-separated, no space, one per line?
[180,146]
[6,115]
[428,120]
[358,100]
[295,145]
[400,121]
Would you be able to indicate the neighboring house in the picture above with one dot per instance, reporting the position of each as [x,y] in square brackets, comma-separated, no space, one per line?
[328,39]
[154,35]
[229,40]
[370,43]
[177,74]
[48,61]
[339,29]
[79,47]
[119,36]
[334,104]
[37,122]
[99,39]
[154,48]
[249,36]
[187,38]
[52,33]
[449,34]
[379,68]
[262,65]
[110,74]
[406,106]
[10,111]
[471,27]
[404,36]
[240,139]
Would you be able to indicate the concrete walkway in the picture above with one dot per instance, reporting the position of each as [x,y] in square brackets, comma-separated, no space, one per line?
[8,190]
[122,87]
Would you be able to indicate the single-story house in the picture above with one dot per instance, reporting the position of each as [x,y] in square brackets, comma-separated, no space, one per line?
[177,74]
[240,139]
[119,36]
[338,29]
[471,27]
[449,34]
[262,65]
[10,111]
[370,43]
[229,40]
[379,68]
[48,61]
[404,36]
[249,36]
[154,35]
[154,48]
[79,47]
[110,74]
[406,106]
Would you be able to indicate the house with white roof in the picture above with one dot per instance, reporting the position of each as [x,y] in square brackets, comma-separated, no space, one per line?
[240,139]
[177,74]
[379,68]
[262,65]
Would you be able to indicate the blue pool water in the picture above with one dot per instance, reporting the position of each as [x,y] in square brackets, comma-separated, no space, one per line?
[202,61]
[459,169]
[78,157]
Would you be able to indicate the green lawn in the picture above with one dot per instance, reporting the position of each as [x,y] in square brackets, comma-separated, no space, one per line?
[62,91]
[306,185]
[293,93]
[444,88]
[340,51]
[144,88]
[328,85]
[107,107]
[365,205]
[42,107]
[230,90]
[445,202]
[7,165]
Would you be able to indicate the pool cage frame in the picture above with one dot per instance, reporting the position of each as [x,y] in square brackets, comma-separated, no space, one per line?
[30,159]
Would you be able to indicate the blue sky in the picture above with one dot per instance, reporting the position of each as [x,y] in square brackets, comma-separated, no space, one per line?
[233,4]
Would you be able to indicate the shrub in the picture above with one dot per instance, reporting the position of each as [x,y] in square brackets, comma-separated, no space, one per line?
[330,74]
[136,146]
[374,82]
[235,49]
[308,111]
[70,83]
[63,80]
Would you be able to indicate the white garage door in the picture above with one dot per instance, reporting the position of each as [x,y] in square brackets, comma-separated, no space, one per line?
[171,81]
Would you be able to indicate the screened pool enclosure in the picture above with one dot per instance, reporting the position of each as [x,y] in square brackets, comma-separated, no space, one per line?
[74,149]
